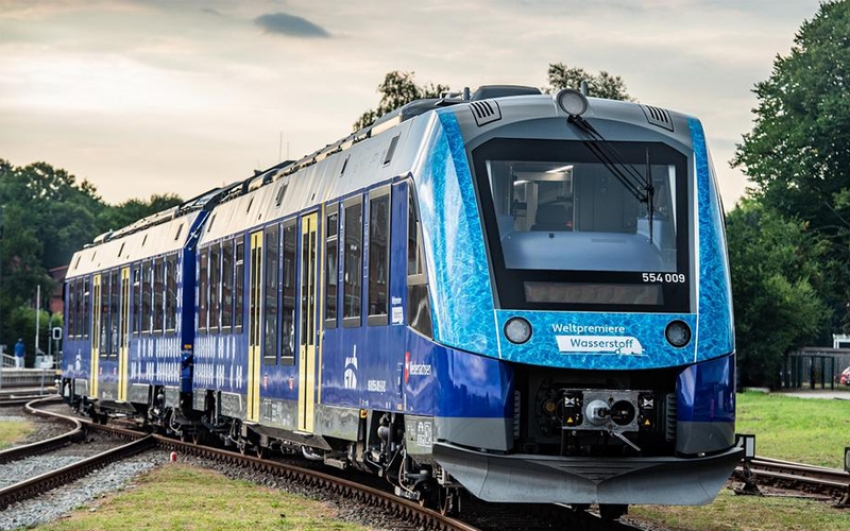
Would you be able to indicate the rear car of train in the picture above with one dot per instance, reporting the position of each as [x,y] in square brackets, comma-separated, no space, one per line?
[577,248]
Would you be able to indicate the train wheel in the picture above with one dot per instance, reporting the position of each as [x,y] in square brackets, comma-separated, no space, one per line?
[449,501]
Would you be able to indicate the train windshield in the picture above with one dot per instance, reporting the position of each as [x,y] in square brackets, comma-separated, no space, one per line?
[566,231]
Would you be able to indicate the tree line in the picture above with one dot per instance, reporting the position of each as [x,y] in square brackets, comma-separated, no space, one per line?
[45,216]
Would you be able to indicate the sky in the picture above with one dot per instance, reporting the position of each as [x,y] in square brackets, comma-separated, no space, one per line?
[144,97]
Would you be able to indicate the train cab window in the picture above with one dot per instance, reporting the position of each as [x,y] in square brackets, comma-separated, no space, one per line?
[171,293]
[86,312]
[214,287]
[418,305]
[202,290]
[238,287]
[158,292]
[379,256]
[287,325]
[147,274]
[352,266]
[331,265]
[271,271]
[226,286]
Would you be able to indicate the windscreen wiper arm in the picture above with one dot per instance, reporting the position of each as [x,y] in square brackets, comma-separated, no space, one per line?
[638,185]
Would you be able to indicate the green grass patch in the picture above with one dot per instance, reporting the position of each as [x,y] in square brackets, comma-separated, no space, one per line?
[747,513]
[182,497]
[13,431]
[807,430]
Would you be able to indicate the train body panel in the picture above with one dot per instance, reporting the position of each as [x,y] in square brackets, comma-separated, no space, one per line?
[480,287]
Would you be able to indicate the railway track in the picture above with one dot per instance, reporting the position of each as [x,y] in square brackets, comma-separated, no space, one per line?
[482,517]
[797,476]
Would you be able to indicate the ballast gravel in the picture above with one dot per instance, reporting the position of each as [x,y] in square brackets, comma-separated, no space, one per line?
[61,501]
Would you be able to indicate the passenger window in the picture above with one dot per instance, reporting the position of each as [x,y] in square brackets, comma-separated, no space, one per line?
[137,303]
[287,325]
[331,265]
[238,292]
[214,287]
[202,291]
[71,308]
[158,292]
[226,286]
[147,279]
[379,257]
[271,271]
[352,263]
[113,313]
[86,306]
[171,293]
[418,303]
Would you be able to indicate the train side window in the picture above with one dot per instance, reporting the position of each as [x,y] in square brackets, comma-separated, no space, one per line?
[114,311]
[86,307]
[137,299]
[331,265]
[239,286]
[110,319]
[379,256]
[103,333]
[71,308]
[147,274]
[158,294]
[214,288]
[82,284]
[202,290]
[418,303]
[226,286]
[271,271]
[287,325]
[352,262]
[171,293]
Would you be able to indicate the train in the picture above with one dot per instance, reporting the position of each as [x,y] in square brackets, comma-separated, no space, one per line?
[507,294]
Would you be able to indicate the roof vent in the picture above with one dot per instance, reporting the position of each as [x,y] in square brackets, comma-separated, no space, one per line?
[658,116]
[485,112]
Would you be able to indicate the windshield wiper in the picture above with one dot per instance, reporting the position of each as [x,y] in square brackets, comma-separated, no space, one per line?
[640,186]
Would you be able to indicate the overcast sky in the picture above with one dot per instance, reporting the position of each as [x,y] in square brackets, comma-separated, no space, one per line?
[143,97]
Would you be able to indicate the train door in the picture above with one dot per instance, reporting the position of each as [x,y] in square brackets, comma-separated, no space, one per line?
[124,334]
[95,334]
[309,334]
[255,323]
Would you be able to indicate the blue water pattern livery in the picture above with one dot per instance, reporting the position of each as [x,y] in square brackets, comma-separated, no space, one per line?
[714,333]
[462,297]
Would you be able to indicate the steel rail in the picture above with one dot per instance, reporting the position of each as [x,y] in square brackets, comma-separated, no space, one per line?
[32,487]
[798,475]
[408,510]
[48,445]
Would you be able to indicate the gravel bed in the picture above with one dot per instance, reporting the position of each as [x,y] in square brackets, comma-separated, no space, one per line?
[63,500]
[30,467]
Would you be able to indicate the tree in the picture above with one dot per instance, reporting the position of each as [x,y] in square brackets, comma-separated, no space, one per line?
[601,85]
[798,153]
[397,90]
[135,209]
[775,266]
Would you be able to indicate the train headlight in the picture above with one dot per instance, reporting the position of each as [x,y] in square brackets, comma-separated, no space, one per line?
[518,330]
[571,101]
[678,334]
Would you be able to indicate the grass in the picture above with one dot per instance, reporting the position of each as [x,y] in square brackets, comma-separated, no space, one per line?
[182,497]
[747,513]
[13,431]
[807,430]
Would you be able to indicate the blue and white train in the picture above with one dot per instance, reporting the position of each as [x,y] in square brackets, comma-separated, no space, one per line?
[522,296]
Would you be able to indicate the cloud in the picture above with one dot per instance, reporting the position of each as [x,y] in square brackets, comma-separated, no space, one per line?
[285,24]
[211,11]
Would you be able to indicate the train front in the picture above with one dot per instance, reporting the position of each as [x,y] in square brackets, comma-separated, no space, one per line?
[577,256]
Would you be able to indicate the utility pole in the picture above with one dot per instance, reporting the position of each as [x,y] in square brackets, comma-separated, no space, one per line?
[37,315]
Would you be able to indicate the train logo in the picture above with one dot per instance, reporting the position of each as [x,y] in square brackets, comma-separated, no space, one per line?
[350,372]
